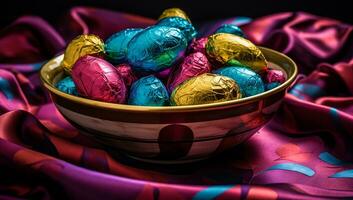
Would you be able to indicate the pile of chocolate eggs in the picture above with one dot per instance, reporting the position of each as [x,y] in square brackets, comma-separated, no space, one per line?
[166,64]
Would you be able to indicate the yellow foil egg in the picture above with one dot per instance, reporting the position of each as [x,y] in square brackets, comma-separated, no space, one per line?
[174,12]
[206,88]
[224,47]
[80,46]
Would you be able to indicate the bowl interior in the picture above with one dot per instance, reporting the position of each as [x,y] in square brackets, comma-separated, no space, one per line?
[52,72]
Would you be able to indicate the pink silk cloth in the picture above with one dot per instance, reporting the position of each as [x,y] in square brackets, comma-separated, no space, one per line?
[305,152]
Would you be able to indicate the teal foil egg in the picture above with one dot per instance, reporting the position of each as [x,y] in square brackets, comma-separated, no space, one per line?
[67,85]
[230,28]
[156,48]
[184,25]
[148,91]
[270,86]
[250,83]
[116,45]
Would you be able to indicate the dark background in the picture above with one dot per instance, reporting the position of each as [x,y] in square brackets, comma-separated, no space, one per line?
[198,11]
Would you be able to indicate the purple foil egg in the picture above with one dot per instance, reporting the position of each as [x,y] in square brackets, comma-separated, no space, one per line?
[198,45]
[275,75]
[97,79]
[193,65]
[127,74]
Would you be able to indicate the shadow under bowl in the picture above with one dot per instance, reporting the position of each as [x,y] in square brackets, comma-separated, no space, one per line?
[170,134]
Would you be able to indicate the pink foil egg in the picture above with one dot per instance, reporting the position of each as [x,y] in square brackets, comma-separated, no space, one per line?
[198,45]
[127,74]
[97,79]
[275,75]
[193,65]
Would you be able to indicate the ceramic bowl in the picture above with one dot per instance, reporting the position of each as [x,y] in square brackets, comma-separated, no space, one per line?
[170,134]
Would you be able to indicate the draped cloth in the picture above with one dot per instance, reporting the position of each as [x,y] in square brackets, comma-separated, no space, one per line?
[305,152]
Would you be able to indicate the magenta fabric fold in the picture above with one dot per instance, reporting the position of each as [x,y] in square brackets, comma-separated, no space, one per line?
[305,152]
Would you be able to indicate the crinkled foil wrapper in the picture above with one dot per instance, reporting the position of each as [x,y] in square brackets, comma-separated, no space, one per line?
[116,45]
[80,46]
[148,91]
[250,83]
[198,45]
[186,27]
[275,75]
[230,28]
[223,47]
[97,79]
[67,85]
[206,88]
[193,65]
[173,12]
[156,48]
[127,74]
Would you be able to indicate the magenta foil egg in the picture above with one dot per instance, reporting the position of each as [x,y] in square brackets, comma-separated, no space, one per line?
[275,75]
[127,74]
[193,65]
[97,79]
[198,45]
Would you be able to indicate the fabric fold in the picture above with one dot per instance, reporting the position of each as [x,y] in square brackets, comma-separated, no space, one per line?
[42,156]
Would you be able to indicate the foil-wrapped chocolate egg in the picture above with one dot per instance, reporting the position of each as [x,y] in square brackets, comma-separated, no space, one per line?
[250,83]
[127,74]
[148,91]
[270,86]
[206,88]
[198,45]
[156,48]
[67,85]
[274,78]
[80,46]
[177,22]
[275,75]
[193,65]
[223,47]
[97,79]
[116,45]
[230,28]
[173,12]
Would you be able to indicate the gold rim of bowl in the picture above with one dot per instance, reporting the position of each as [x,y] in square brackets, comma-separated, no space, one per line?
[133,108]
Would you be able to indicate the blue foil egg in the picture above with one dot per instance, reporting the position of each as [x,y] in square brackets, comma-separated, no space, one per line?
[250,83]
[230,28]
[148,91]
[67,85]
[156,48]
[184,25]
[270,86]
[116,45]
